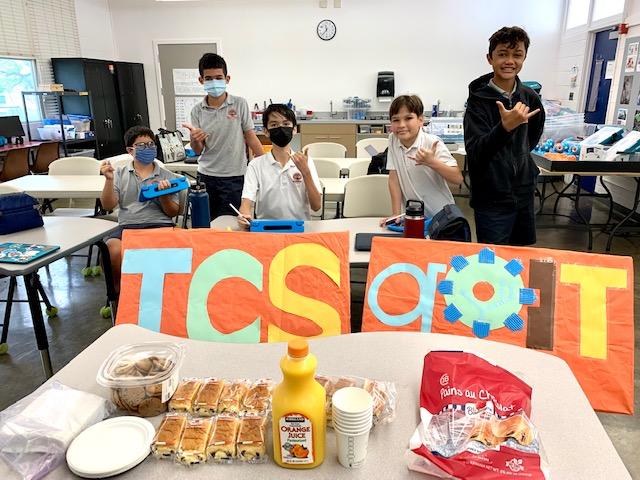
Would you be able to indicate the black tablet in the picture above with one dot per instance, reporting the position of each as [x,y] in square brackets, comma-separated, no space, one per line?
[363,240]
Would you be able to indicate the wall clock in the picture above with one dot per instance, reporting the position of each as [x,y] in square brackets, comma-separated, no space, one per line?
[326,29]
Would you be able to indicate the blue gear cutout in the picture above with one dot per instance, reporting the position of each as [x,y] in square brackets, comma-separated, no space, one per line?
[451,313]
[481,329]
[514,322]
[514,267]
[527,296]
[445,287]
[459,262]
[486,255]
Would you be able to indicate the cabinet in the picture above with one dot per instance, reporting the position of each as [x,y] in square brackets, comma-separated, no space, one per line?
[132,94]
[118,97]
[344,134]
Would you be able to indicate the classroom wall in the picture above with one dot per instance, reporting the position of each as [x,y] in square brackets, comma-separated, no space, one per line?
[435,47]
[94,29]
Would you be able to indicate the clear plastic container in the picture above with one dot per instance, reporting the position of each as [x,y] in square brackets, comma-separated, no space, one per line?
[142,376]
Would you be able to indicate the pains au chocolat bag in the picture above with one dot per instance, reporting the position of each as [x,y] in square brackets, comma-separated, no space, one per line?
[475,421]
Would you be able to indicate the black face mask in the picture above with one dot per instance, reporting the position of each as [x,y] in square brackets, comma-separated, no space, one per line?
[281,136]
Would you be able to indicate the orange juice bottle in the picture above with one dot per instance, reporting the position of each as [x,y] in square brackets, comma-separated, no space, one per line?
[298,411]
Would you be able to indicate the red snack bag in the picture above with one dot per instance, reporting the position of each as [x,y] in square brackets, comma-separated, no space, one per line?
[475,421]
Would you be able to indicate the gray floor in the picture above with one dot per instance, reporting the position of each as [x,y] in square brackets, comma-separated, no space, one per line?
[79,323]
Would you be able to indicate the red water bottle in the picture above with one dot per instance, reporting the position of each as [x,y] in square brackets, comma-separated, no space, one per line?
[414,219]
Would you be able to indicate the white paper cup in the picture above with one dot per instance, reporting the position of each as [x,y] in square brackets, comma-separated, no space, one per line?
[352,402]
[357,426]
[352,449]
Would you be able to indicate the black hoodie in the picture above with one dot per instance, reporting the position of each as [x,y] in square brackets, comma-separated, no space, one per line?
[500,164]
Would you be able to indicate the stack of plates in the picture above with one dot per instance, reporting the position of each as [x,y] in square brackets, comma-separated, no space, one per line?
[110,447]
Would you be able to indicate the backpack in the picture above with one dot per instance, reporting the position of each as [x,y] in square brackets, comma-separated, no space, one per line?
[450,224]
[378,164]
[170,146]
[18,211]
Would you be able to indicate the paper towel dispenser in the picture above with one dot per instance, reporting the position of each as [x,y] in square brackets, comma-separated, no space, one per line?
[385,90]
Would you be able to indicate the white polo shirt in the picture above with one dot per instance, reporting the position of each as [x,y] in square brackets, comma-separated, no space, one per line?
[419,182]
[279,191]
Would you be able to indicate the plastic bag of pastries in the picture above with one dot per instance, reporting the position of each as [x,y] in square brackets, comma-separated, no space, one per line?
[167,440]
[206,401]
[221,447]
[258,398]
[184,396]
[251,443]
[384,395]
[232,395]
[193,444]
[143,376]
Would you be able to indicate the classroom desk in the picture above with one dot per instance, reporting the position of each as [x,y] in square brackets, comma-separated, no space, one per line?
[60,186]
[7,148]
[575,443]
[351,225]
[577,174]
[190,169]
[71,234]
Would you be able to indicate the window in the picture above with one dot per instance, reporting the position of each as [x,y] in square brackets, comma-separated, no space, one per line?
[606,8]
[18,75]
[578,13]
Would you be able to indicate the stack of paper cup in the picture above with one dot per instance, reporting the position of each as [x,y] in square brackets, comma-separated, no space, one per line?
[352,412]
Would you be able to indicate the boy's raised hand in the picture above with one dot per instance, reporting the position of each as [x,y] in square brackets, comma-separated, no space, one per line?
[301,160]
[196,134]
[519,114]
[425,156]
[106,169]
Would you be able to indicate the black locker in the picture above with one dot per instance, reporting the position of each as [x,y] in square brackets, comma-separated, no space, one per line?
[113,105]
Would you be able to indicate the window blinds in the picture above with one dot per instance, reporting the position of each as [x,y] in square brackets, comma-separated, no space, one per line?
[40,29]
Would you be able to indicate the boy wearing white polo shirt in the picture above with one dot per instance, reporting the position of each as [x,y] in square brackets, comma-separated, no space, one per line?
[220,129]
[284,185]
[419,164]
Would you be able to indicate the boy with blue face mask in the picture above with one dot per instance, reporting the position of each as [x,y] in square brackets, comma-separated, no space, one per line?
[219,131]
[122,189]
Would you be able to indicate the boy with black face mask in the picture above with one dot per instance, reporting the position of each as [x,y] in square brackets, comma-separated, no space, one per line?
[284,184]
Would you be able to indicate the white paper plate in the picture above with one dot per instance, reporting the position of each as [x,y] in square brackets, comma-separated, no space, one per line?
[110,447]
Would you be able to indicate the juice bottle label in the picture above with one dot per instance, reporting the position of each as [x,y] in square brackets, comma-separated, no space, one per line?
[296,439]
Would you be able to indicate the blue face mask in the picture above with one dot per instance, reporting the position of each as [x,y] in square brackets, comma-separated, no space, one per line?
[146,155]
[215,87]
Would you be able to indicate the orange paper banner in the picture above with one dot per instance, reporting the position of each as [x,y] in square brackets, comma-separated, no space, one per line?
[235,286]
[578,306]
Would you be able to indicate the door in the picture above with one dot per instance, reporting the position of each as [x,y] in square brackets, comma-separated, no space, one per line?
[604,51]
[176,56]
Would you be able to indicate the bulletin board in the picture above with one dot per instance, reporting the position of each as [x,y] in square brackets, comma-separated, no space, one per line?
[627,112]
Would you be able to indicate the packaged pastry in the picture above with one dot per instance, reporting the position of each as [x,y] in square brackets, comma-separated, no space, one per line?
[258,397]
[222,444]
[165,443]
[384,395]
[184,396]
[143,376]
[232,395]
[251,443]
[206,402]
[193,444]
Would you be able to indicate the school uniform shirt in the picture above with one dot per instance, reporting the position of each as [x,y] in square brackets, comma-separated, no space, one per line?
[280,192]
[224,153]
[419,182]
[127,185]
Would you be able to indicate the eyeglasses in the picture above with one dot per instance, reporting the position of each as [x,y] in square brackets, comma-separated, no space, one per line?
[283,124]
[144,145]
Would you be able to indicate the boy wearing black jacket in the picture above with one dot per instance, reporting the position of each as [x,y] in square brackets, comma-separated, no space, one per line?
[502,124]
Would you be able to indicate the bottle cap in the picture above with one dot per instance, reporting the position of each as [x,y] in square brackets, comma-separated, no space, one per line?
[298,348]
[414,208]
